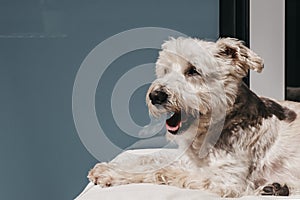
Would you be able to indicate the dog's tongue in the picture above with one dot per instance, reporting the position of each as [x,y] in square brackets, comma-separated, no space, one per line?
[174,123]
[173,129]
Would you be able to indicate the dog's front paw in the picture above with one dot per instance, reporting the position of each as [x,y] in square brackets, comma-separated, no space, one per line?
[101,175]
[276,189]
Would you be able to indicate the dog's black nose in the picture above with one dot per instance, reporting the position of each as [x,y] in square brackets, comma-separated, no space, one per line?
[158,97]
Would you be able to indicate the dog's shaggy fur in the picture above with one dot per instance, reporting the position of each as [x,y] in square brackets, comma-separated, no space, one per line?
[236,143]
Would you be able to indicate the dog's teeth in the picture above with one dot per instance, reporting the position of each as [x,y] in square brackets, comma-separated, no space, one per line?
[170,114]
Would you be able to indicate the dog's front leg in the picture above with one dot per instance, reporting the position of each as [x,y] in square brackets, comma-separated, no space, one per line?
[109,174]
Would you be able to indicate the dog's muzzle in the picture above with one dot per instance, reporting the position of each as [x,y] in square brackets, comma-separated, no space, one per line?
[158,97]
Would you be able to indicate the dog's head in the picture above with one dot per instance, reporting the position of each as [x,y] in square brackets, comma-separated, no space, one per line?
[197,78]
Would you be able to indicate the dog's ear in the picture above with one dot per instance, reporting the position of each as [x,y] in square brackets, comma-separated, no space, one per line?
[239,55]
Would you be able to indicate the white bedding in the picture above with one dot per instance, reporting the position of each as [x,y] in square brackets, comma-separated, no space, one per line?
[145,191]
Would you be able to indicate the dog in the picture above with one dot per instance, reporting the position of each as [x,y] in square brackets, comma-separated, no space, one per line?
[234,142]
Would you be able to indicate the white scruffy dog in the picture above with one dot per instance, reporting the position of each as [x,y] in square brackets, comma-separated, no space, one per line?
[236,143]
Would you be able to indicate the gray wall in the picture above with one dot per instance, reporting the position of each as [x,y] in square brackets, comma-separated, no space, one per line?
[271,82]
[42,44]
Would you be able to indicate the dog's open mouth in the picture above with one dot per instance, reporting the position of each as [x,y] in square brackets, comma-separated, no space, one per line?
[174,123]
[178,121]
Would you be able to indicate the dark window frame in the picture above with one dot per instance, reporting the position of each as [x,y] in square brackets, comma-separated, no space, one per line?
[234,21]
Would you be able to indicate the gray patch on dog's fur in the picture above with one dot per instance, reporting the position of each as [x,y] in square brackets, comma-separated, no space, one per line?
[249,111]
[282,113]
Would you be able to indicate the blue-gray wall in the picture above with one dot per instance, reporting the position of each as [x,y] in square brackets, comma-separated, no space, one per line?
[42,44]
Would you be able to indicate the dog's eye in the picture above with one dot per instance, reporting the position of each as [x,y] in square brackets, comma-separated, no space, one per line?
[191,71]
